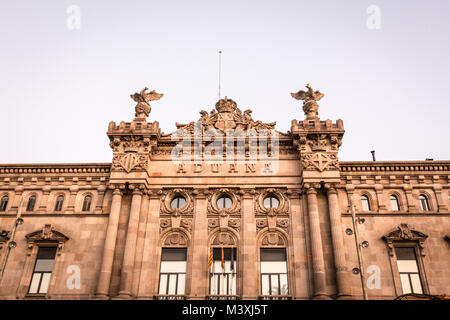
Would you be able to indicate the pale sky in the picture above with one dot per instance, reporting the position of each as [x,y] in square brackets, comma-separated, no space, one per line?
[61,87]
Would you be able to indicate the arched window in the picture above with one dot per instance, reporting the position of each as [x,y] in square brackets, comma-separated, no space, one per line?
[424,203]
[224,202]
[394,203]
[31,203]
[4,203]
[59,203]
[365,203]
[87,203]
[271,202]
[178,202]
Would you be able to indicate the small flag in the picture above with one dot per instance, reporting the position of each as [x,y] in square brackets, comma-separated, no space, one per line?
[223,262]
[210,260]
[232,260]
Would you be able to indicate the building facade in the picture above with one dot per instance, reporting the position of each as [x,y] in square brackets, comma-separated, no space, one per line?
[224,208]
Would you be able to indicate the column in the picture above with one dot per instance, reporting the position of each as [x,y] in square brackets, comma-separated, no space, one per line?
[126,276]
[140,244]
[149,276]
[299,258]
[249,247]
[342,275]
[316,244]
[110,245]
[199,258]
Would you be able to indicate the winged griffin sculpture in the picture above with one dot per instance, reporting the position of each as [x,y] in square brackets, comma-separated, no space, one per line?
[143,98]
[310,98]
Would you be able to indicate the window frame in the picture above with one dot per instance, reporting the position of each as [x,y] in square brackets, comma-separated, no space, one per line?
[224,197]
[233,275]
[423,196]
[366,197]
[261,274]
[41,273]
[178,197]
[4,203]
[34,197]
[90,197]
[173,273]
[271,197]
[396,200]
[58,208]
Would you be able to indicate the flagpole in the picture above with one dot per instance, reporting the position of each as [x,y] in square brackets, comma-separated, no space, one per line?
[220,67]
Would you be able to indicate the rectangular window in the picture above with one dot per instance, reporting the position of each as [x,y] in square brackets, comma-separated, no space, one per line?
[408,269]
[42,272]
[172,277]
[222,281]
[274,279]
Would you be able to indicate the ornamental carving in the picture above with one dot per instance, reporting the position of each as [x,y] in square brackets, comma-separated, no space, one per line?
[405,233]
[235,208]
[224,239]
[228,116]
[282,209]
[320,161]
[166,200]
[273,239]
[175,223]
[272,218]
[176,239]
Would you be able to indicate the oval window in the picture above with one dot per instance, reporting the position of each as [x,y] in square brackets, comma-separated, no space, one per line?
[271,202]
[224,202]
[178,202]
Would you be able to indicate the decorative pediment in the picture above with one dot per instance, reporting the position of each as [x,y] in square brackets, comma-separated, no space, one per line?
[46,234]
[405,233]
[228,116]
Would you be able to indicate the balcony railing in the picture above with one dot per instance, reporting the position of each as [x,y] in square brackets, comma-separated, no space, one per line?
[275,297]
[170,297]
[223,297]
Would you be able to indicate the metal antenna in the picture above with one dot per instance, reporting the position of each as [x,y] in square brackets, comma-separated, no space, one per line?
[220,67]
[373,155]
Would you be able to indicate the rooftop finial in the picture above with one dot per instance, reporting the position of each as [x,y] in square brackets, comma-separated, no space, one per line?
[143,106]
[310,98]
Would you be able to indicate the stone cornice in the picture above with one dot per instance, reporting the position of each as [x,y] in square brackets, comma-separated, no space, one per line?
[47,168]
[394,166]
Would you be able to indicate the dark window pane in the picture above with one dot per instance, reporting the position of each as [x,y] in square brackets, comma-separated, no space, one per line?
[87,203]
[217,254]
[46,253]
[405,253]
[59,203]
[273,254]
[31,202]
[174,254]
